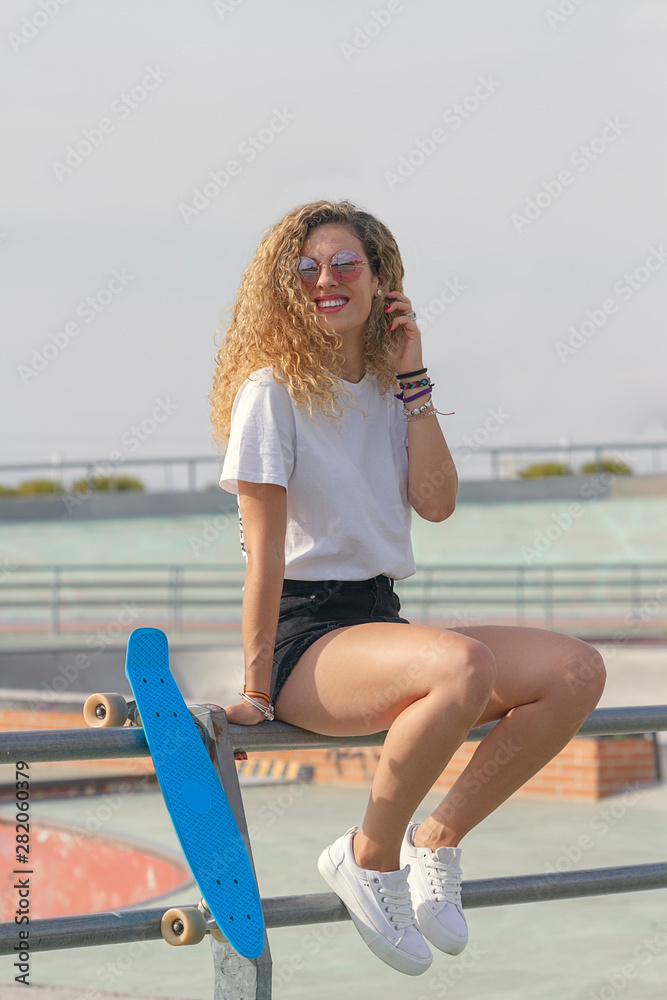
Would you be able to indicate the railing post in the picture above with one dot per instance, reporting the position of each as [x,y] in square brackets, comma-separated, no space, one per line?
[236,978]
[548,596]
[55,600]
[519,603]
[192,472]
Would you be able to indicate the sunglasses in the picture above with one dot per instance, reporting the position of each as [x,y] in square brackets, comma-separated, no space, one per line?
[345,266]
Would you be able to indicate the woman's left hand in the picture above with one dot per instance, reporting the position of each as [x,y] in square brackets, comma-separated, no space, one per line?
[408,353]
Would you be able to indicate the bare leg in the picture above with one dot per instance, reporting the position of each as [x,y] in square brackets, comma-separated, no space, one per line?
[425,686]
[553,682]
[428,687]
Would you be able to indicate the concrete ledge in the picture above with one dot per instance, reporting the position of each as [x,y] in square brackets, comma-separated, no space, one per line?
[111,505]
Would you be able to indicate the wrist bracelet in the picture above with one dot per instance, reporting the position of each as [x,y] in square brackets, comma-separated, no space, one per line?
[267,711]
[418,409]
[257,694]
[423,392]
[410,374]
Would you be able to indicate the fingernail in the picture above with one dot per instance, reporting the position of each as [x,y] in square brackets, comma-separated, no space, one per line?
[385,308]
[390,325]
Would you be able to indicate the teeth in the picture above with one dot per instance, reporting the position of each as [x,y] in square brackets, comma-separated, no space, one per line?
[332,302]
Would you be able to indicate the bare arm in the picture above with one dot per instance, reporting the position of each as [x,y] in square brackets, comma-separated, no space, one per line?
[264,515]
[432,477]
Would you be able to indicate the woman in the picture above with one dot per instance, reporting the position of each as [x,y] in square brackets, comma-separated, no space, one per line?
[328,464]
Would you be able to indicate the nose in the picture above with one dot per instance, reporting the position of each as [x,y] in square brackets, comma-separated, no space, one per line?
[325,278]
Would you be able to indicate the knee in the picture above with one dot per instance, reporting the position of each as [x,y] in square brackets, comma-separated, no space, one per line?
[585,675]
[471,673]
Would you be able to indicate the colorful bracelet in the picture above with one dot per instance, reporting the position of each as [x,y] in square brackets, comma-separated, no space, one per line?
[257,694]
[424,392]
[415,385]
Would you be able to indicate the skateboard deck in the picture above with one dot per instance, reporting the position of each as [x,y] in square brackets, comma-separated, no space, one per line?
[193,794]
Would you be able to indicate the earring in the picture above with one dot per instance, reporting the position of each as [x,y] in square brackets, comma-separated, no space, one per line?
[379,291]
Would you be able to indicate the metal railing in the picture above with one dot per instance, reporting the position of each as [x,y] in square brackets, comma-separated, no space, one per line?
[248,979]
[191,596]
[502,461]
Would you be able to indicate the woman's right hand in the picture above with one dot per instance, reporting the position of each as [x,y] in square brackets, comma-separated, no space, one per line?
[243,714]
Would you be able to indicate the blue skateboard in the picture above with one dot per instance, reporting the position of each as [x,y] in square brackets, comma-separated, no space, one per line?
[197,804]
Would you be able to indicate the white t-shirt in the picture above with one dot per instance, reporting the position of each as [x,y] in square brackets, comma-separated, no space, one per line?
[348,516]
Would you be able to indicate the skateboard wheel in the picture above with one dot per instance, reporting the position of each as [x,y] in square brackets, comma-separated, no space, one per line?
[105,710]
[183,925]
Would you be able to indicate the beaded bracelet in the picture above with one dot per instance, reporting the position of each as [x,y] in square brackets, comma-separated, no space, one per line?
[427,413]
[419,409]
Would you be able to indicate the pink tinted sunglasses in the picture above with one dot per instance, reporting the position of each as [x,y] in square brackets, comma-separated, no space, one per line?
[346,266]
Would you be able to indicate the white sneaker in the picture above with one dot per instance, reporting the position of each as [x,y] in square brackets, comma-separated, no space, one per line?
[379,904]
[435,885]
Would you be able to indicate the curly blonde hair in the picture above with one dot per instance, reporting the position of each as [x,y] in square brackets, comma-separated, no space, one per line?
[275,325]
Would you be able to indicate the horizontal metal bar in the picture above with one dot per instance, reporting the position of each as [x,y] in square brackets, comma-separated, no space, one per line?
[409,582]
[88,929]
[129,741]
[532,449]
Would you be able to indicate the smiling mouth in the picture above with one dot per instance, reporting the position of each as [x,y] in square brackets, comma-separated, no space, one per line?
[328,305]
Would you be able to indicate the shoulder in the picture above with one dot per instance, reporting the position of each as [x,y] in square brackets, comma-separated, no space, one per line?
[261,393]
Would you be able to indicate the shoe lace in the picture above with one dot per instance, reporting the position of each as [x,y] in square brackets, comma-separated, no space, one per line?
[399,906]
[445,881]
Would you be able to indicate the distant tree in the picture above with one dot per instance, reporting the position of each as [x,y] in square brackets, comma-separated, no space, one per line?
[32,486]
[107,484]
[542,469]
[611,465]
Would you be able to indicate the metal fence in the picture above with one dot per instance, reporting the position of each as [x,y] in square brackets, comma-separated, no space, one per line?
[191,597]
[502,461]
[246,979]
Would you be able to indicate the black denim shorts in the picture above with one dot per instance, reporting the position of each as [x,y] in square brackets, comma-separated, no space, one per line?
[311,608]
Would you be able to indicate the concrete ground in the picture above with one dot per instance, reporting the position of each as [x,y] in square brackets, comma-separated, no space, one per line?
[575,949]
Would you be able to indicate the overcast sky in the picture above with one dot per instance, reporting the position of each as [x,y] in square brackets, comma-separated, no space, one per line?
[516,148]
